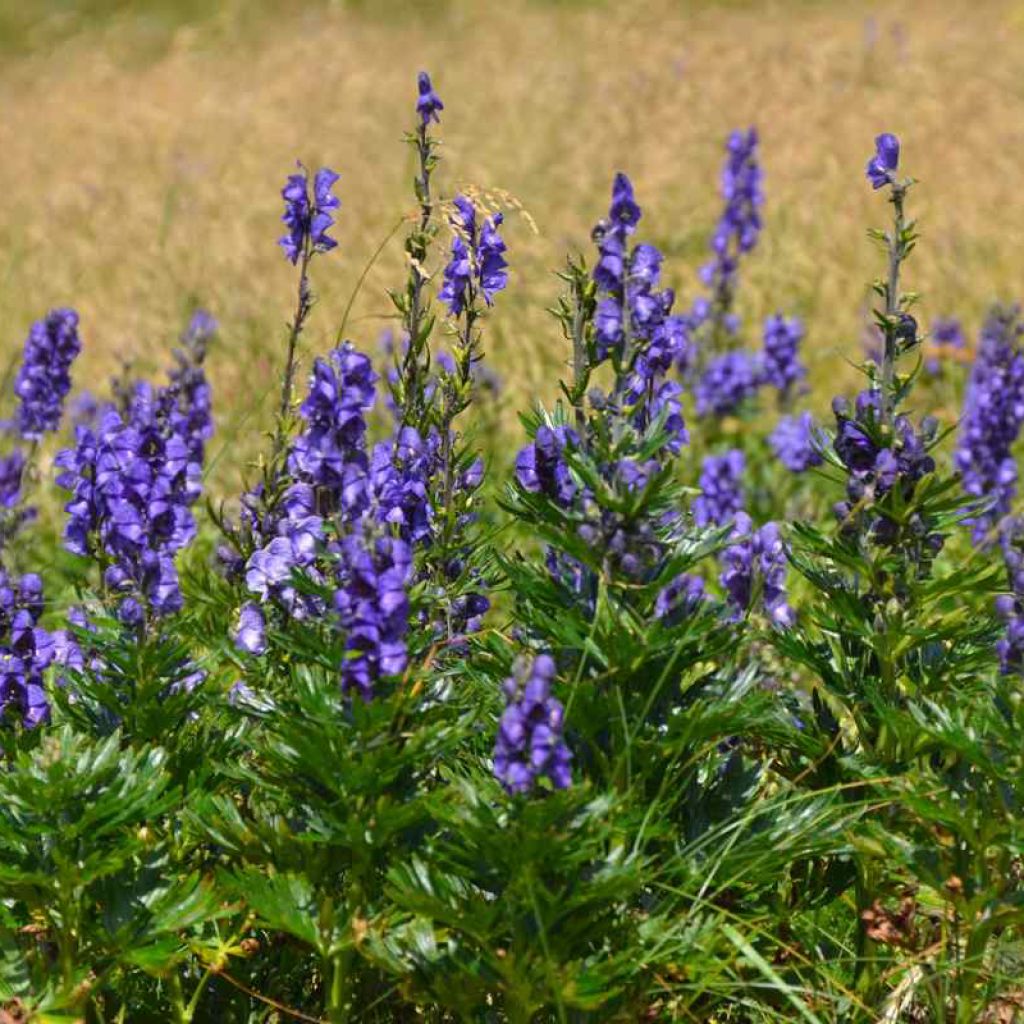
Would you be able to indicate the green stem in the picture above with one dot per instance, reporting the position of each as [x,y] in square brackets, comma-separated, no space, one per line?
[338,999]
[416,247]
[302,308]
[193,1003]
[580,363]
[181,1014]
[897,254]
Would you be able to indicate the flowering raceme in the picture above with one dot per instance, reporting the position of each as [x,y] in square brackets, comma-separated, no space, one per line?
[541,466]
[756,559]
[44,378]
[370,601]
[330,454]
[1010,607]
[306,216]
[794,443]
[737,230]
[631,306]
[992,419]
[11,469]
[25,650]
[780,361]
[729,380]
[377,504]
[633,327]
[477,260]
[529,745]
[721,484]
[133,482]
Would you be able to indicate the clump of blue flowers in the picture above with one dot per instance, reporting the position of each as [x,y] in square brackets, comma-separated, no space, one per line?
[477,262]
[992,419]
[721,486]
[133,482]
[308,215]
[44,379]
[736,233]
[795,443]
[780,362]
[754,564]
[530,746]
[729,381]
[26,651]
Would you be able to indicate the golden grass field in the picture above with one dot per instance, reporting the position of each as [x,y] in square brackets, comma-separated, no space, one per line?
[142,166]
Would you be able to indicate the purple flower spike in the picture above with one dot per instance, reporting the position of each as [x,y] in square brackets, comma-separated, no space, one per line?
[44,379]
[307,217]
[25,651]
[780,363]
[721,483]
[529,744]
[477,260]
[756,556]
[992,419]
[729,380]
[793,441]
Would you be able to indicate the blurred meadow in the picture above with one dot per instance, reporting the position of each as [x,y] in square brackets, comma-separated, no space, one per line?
[145,145]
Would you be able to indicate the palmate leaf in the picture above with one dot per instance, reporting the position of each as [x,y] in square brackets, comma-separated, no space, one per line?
[284,902]
[514,893]
[67,809]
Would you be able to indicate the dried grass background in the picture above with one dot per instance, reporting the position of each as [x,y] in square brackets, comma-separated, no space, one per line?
[142,163]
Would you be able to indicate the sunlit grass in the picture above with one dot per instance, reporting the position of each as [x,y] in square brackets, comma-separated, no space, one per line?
[143,156]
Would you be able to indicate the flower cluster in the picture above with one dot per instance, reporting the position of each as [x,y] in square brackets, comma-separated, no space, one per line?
[373,573]
[529,745]
[1010,607]
[11,469]
[992,419]
[330,454]
[477,260]
[44,378]
[634,326]
[794,442]
[133,481]
[756,562]
[374,505]
[780,362]
[541,467]
[872,461]
[721,485]
[188,395]
[631,306]
[270,571]
[308,217]
[878,462]
[737,230]
[728,381]
[325,469]
[679,598]
[25,650]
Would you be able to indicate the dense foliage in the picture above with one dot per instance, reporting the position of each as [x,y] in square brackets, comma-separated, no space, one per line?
[684,720]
